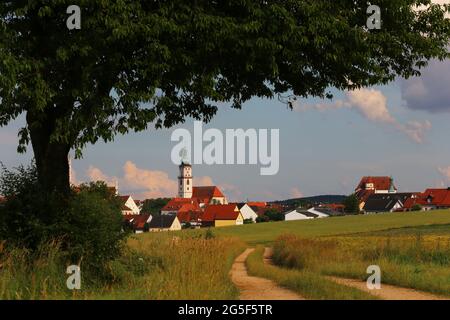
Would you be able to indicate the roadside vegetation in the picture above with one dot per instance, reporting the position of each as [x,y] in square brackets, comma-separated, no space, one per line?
[158,267]
[415,261]
[307,283]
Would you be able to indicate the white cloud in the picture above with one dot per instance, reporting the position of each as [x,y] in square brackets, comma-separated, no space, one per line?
[372,105]
[95,174]
[143,183]
[148,183]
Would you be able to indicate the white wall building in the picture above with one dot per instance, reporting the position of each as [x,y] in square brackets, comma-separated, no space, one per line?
[247,212]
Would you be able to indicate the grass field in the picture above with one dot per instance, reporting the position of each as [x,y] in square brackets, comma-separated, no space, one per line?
[156,266]
[184,265]
[267,233]
[308,284]
[409,259]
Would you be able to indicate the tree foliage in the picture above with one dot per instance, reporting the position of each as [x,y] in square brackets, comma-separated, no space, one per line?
[154,206]
[88,226]
[352,204]
[139,62]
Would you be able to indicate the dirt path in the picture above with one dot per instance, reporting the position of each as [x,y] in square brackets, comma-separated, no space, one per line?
[388,292]
[255,288]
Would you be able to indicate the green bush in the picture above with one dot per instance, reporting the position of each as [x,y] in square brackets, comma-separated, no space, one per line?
[88,224]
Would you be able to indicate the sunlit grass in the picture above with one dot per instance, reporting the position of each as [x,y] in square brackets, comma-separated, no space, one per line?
[308,284]
[420,262]
[156,267]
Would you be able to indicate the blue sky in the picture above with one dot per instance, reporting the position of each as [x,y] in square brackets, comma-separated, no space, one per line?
[325,146]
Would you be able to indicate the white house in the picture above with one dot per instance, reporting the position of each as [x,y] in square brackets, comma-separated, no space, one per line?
[129,206]
[247,212]
[319,213]
[299,215]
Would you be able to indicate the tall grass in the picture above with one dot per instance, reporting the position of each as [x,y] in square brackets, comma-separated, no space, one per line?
[420,262]
[308,284]
[151,267]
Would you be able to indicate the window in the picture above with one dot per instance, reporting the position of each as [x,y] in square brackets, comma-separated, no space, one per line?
[188,182]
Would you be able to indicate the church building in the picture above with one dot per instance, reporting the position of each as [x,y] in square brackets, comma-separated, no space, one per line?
[204,195]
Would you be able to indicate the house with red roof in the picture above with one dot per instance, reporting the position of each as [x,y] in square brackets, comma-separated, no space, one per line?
[176,205]
[431,199]
[192,218]
[374,185]
[129,206]
[208,195]
[222,215]
[137,222]
[204,195]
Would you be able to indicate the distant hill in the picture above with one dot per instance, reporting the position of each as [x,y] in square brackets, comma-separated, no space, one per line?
[313,200]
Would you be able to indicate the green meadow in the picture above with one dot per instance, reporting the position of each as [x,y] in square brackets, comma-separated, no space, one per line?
[195,264]
[267,233]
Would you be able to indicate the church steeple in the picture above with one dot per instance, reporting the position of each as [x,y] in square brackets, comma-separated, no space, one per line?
[185,181]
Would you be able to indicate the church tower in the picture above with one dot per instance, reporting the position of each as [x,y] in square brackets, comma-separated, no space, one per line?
[185,181]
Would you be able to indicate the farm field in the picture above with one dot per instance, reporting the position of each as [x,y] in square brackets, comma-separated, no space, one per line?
[267,233]
[412,252]
[417,261]
[192,265]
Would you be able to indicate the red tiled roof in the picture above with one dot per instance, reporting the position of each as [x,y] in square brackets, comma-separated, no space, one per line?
[189,216]
[380,183]
[189,207]
[207,192]
[257,204]
[176,204]
[140,221]
[435,197]
[220,212]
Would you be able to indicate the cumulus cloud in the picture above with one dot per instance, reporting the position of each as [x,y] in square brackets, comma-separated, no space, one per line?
[95,174]
[147,183]
[143,183]
[372,105]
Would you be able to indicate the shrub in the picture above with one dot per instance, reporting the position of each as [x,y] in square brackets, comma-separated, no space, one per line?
[88,224]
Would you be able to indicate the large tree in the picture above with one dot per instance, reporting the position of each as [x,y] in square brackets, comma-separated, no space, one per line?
[137,63]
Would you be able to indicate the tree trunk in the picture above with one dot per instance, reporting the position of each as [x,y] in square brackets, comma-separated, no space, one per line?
[51,157]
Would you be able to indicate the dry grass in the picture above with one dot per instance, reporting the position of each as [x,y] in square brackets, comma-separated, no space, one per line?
[308,284]
[420,262]
[151,267]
